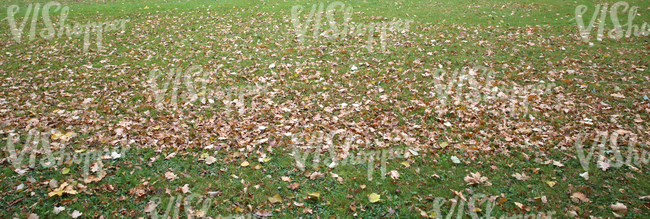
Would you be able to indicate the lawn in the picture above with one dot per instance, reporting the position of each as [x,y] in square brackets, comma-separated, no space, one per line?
[324,109]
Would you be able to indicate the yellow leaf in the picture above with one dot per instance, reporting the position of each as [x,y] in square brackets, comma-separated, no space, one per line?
[58,192]
[65,171]
[266,159]
[56,136]
[550,183]
[406,164]
[275,198]
[373,197]
[443,145]
[204,155]
[245,164]
[314,195]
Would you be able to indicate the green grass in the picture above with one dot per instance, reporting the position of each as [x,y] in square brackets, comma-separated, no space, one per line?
[523,42]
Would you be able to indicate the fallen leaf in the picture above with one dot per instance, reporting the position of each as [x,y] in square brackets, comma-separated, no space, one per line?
[210,160]
[76,214]
[313,195]
[618,95]
[394,174]
[373,197]
[550,183]
[603,165]
[585,175]
[521,176]
[580,196]
[286,178]
[619,208]
[275,198]
[58,210]
[263,213]
[149,207]
[475,179]
[316,175]
[170,176]
[245,164]
[185,189]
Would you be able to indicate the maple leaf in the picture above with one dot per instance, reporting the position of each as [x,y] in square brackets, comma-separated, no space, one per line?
[603,165]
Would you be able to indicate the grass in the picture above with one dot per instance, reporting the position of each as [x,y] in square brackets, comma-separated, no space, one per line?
[104,98]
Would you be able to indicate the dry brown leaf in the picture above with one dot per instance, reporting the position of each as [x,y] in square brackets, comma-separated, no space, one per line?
[316,175]
[580,196]
[475,179]
[170,176]
[521,176]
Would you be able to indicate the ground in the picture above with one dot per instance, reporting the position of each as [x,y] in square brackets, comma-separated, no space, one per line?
[443,109]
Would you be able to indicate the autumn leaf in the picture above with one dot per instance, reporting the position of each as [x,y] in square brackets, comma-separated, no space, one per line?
[603,165]
[579,197]
[521,176]
[373,197]
[476,178]
[313,195]
[170,176]
[619,208]
[150,206]
[76,214]
[210,160]
[394,174]
[275,198]
[316,175]
[550,183]
[63,188]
